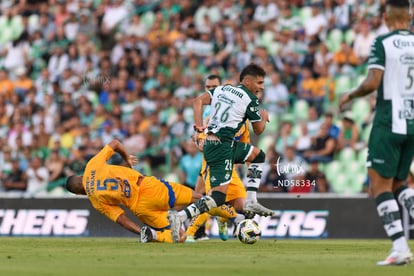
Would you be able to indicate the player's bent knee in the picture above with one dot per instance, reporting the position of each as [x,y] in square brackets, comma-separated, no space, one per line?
[260,158]
[219,198]
[238,204]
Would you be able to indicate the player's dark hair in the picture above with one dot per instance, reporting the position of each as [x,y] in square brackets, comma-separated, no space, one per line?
[398,3]
[213,77]
[72,185]
[253,70]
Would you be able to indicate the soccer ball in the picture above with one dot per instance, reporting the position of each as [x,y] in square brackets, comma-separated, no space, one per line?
[248,231]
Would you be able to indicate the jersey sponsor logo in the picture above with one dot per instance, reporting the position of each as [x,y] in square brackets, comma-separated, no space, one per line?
[378,161]
[408,111]
[233,91]
[401,44]
[407,59]
[43,222]
[223,98]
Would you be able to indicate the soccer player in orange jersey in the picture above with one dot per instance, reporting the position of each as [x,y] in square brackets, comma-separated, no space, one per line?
[110,186]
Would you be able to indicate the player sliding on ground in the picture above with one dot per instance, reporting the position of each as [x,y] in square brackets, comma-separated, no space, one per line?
[109,186]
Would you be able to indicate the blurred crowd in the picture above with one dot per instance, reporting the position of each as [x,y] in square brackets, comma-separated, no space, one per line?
[75,74]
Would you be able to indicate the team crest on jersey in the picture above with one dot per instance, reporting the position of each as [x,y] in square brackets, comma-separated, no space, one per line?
[227,176]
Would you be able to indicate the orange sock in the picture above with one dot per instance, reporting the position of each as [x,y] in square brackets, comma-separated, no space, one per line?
[196,223]
[164,236]
[223,211]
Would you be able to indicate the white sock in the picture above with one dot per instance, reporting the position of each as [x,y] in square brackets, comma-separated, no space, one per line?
[182,215]
[154,234]
[254,177]
[200,206]
[251,196]
[388,211]
[239,218]
[400,244]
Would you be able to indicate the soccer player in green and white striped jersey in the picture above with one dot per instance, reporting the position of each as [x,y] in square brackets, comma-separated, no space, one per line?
[391,142]
[231,106]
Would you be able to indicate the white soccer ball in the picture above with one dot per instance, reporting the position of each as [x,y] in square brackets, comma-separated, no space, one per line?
[248,231]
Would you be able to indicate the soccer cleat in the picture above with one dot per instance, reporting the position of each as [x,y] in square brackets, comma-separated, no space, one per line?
[397,258]
[203,238]
[175,224]
[223,230]
[255,208]
[190,239]
[146,235]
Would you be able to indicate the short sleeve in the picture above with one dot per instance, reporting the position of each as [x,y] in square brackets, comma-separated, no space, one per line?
[252,112]
[376,58]
[103,155]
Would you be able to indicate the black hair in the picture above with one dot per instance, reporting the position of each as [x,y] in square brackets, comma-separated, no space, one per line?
[253,70]
[398,3]
[72,185]
[213,77]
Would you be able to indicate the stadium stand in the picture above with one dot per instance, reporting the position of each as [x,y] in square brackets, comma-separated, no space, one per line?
[103,69]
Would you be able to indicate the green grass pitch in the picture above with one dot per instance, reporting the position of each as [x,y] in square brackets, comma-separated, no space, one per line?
[125,256]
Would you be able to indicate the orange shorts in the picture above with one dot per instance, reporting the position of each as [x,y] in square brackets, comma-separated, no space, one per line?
[156,197]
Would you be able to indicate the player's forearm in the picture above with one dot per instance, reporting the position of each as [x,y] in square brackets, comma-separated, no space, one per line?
[198,112]
[360,91]
[259,127]
[128,224]
[119,148]
[369,85]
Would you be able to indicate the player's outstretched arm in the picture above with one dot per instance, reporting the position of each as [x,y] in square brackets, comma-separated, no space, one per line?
[119,148]
[128,224]
[368,85]
[198,103]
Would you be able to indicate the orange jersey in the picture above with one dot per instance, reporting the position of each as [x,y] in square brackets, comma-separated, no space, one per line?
[109,186]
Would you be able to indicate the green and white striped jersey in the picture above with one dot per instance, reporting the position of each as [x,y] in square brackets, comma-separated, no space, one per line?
[394,54]
[230,107]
